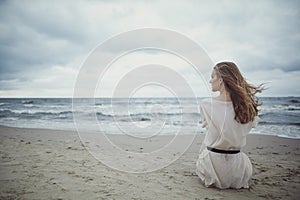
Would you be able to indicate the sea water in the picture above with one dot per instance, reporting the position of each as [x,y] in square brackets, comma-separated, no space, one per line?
[278,115]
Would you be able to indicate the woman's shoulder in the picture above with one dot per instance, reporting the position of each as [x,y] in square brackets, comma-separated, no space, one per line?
[206,101]
[214,100]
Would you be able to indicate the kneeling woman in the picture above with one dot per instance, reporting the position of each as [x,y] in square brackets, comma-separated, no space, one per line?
[227,118]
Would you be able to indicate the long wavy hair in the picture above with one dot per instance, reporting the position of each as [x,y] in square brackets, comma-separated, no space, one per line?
[242,94]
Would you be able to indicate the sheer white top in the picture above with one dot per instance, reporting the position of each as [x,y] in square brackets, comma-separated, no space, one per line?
[222,130]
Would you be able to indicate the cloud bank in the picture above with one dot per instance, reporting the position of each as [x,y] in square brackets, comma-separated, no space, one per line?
[43,44]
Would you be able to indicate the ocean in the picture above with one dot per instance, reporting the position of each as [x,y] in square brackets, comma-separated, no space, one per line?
[278,115]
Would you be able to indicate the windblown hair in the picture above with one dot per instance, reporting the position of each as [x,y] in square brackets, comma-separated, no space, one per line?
[242,94]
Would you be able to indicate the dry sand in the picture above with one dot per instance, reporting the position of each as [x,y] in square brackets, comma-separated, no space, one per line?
[50,164]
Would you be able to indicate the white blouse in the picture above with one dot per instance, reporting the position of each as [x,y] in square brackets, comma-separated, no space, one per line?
[222,130]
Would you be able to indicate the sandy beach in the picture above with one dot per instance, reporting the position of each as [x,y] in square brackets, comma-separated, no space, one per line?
[51,164]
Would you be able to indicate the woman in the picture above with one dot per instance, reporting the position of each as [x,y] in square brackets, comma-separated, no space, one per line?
[227,118]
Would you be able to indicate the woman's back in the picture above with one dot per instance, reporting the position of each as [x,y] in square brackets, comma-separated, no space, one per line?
[223,131]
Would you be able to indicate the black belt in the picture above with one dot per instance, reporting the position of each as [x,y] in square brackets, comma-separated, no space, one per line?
[223,151]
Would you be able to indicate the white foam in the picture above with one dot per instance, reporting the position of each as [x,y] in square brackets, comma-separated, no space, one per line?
[286,136]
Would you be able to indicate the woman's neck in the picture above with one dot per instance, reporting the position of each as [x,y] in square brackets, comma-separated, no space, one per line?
[224,95]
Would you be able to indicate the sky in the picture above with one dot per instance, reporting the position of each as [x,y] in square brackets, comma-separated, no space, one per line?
[45,44]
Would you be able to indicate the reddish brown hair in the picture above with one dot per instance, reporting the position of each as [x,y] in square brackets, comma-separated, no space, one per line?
[242,94]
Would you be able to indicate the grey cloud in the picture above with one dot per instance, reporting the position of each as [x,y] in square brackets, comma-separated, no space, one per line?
[264,31]
[35,35]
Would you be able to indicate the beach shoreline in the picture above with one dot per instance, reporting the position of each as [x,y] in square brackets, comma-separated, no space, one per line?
[53,164]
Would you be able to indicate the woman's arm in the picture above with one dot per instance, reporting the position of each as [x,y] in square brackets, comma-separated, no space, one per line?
[255,121]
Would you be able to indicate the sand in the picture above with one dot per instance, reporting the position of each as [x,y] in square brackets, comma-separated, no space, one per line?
[51,164]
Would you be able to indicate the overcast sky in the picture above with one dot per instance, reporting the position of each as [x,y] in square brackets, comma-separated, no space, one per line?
[45,43]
